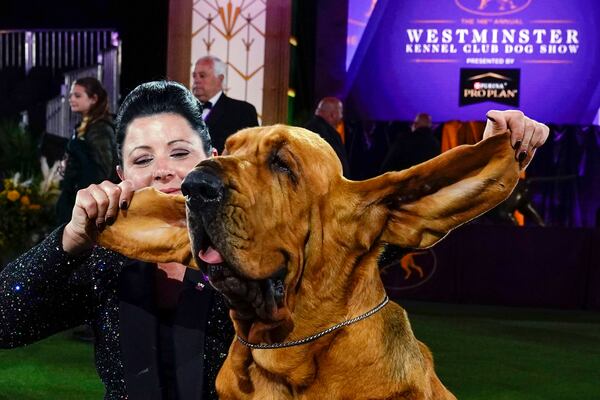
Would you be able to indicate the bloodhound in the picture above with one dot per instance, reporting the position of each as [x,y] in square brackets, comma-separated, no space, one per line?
[293,246]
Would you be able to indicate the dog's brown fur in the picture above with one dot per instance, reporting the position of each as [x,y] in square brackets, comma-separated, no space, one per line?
[329,232]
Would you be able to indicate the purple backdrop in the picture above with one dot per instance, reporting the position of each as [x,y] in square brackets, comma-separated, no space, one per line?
[406,57]
[532,267]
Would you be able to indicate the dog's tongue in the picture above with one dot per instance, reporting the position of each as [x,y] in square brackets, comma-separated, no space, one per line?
[210,256]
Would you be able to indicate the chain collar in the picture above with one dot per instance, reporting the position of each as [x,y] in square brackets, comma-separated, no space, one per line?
[316,335]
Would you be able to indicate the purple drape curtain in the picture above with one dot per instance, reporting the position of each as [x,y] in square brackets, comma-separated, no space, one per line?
[564,178]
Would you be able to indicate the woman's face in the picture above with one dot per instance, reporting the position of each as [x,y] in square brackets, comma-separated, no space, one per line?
[159,150]
[79,101]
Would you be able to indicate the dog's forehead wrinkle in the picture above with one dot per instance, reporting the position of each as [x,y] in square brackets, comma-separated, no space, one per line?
[298,163]
[271,142]
[303,146]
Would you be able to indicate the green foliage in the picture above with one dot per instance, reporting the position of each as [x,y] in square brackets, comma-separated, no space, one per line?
[26,213]
[19,151]
[28,192]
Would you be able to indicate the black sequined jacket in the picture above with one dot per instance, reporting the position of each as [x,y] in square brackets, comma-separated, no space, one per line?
[46,290]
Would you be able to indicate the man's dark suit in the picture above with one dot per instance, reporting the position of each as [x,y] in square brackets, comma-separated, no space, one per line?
[411,148]
[318,125]
[228,116]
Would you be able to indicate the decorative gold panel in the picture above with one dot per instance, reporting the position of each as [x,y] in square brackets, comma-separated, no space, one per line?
[234,31]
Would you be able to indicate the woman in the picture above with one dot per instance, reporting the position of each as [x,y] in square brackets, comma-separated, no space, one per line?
[160,332]
[91,154]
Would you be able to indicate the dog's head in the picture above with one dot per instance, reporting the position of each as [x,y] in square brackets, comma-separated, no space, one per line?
[273,218]
[251,213]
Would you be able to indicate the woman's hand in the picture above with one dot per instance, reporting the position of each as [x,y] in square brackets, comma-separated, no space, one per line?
[95,207]
[526,134]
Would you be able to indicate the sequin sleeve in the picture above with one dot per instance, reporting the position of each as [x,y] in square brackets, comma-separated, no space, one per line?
[42,292]
[219,335]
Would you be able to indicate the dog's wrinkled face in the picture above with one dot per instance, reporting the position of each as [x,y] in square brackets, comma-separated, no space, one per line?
[273,217]
[248,214]
[280,232]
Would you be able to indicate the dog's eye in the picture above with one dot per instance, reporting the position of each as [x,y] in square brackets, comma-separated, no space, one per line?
[278,164]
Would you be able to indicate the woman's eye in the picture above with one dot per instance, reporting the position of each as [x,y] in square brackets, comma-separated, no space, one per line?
[142,161]
[180,154]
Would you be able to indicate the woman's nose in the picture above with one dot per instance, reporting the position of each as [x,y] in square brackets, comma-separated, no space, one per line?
[162,173]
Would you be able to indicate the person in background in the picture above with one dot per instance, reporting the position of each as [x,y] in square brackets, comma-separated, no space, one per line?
[328,115]
[223,115]
[91,153]
[414,147]
[161,331]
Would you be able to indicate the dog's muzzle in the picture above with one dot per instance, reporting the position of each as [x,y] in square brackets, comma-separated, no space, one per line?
[205,194]
[203,188]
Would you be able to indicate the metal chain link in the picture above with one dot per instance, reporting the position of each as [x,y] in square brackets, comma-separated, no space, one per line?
[317,335]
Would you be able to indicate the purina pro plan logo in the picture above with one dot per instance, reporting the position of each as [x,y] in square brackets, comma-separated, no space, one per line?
[497,85]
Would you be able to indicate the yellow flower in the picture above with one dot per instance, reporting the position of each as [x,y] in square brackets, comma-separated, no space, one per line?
[13,195]
[25,200]
[34,206]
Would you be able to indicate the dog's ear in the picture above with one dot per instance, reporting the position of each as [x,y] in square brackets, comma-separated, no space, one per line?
[152,229]
[419,206]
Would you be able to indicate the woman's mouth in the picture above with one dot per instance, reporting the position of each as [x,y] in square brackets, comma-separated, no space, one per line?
[171,190]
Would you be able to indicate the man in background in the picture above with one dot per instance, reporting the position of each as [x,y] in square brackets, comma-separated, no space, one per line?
[223,115]
[412,148]
[328,116]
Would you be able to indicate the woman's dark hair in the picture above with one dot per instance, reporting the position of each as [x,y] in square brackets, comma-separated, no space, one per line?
[93,87]
[160,97]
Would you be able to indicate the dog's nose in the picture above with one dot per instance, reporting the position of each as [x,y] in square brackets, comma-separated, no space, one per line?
[202,186]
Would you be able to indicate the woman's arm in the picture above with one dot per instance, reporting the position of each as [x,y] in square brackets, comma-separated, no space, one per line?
[44,291]
[57,284]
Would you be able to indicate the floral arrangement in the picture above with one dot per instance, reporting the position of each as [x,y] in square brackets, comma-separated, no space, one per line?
[27,209]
